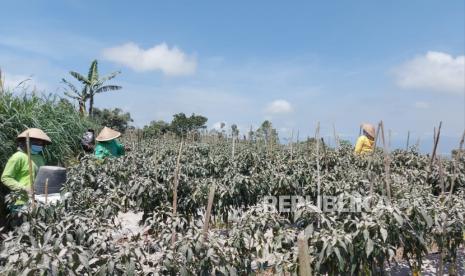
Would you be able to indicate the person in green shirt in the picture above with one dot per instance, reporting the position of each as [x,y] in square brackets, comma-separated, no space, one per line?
[107,145]
[16,175]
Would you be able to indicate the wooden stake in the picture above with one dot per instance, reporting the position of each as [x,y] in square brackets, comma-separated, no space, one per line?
[317,135]
[31,172]
[408,140]
[324,153]
[377,135]
[292,142]
[304,257]
[175,189]
[336,139]
[46,190]
[211,196]
[386,163]
[436,141]
[417,144]
[454,162]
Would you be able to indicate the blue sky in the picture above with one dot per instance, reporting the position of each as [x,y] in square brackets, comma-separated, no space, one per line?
[294,62]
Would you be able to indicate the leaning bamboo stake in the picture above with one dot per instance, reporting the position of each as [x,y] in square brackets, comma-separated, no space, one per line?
[324,153]
[304,257]
[175,189]
[31,172]
[454,162]
[436,141]
[317,134]
[408,140]
[386,163]
[46,190]
[370,160]
[290,144]
[211,196]
[417,144]
[336,139]
[377,135]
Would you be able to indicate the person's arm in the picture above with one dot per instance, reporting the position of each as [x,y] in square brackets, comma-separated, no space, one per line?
[12,168]
[359,145]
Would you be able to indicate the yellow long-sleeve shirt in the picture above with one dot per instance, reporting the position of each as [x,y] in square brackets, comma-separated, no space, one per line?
[364,145]
[16,173]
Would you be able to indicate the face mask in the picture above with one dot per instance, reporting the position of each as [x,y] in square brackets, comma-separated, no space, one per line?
[35,149]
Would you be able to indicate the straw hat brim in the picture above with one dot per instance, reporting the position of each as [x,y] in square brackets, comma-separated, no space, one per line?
[370,129]
[35,133]
[107,134]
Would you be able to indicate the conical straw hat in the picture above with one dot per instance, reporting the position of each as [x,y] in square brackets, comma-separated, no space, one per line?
[107,134]
[370,129]
[35,133]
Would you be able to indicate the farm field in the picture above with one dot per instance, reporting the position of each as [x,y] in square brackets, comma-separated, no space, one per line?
[412,209]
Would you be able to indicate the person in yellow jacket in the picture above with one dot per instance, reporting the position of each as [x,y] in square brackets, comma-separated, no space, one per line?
[16,174]
[366,142]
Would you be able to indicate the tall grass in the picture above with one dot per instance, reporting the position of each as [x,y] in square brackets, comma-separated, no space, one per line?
[55,116]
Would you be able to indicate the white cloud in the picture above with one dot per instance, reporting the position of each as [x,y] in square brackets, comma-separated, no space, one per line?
[421,105]
[160,57]
[279,107]
[435,71]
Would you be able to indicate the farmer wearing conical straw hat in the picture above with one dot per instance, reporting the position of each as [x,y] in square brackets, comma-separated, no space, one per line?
[107,145]
[366,142]
[16,175]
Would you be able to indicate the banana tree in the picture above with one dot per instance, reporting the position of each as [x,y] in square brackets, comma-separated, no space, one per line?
[94,85]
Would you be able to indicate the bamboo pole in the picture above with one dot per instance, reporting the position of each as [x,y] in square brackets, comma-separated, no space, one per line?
[304,259]
[336,138]
[377,135]
[211,196]
[291,144]
[31,172]
[386,163]
[408,140]
[370,161]
[297,141]
[175,189]
[324,153]
[454,162]
[436,141]
[417,144]
[317,135]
